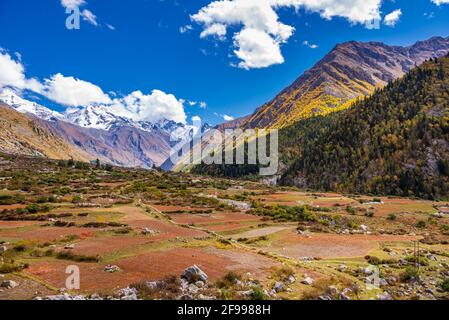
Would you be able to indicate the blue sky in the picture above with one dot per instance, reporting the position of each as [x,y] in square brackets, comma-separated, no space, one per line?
[146,49]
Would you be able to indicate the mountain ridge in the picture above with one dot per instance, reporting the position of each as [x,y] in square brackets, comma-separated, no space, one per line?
[350,71]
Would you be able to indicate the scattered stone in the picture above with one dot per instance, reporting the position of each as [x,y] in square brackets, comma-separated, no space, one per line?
[128,294]
[194,274]
[342,268]
[8,284]
[111,268]
[69,247]
[186,297]
[151,285]
[291,279]
[307,281]
[431,257]
[333,290]
[199,284]
[279,287]
[325,298]
[150,232]
[193,289]
[3,249]
[343,296]
[384,297]
[368,271]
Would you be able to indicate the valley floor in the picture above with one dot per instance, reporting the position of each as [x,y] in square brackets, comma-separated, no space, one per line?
[141,229]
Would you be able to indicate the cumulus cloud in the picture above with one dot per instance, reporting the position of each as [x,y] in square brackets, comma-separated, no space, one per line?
[392,18]
[72,4]
[12,74]
[153,107]
[260,33]
[73,92]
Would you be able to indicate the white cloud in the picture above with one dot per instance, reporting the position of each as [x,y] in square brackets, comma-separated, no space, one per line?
[261,34]
[185,29]
[310,45]
[72,4]
[392,18]
[12,73]
[153,107]
[89,17]
[203,105]
[440,2]
[73,92]
[228,118]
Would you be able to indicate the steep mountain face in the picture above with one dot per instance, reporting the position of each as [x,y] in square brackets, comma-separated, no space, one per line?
[23,134]
[395,142]
[104,135]
[351,70]
[120,145]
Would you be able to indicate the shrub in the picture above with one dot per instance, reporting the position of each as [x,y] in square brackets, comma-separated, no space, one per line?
[369,214]
[11,267]
[228,280]
[350,210]
[391,217]
[411,273]
[67,255]
[421,224]
[257,294]
[445,285]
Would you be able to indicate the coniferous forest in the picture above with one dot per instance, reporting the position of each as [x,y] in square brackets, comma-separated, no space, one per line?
[395,142]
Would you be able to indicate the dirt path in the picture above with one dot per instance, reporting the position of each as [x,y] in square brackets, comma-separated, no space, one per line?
[261,232]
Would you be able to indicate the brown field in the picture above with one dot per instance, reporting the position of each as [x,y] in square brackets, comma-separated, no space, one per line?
[325,246]
[331,228]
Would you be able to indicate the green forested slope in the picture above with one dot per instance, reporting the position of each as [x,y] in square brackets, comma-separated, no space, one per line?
[395,142]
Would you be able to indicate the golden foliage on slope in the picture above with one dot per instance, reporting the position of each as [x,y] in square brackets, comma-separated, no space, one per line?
[20,134]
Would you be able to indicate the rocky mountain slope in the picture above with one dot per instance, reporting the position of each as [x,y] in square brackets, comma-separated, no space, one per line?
[123,146]
[102,134]
[23,134]
[351,70]
[395,142]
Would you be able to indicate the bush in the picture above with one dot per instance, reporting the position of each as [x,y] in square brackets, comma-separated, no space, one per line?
[391,217]
[411,273]
[369,214]
[421,224]
[11,267]
[445,285]
[350,210]
[257,294]
[228,280]
[67,255]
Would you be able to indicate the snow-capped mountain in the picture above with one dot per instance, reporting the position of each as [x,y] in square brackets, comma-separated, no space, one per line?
[103,134]
[96,117]
[12,98]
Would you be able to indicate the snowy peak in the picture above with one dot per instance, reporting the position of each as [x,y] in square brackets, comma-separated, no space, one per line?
[97,117]
[11,98]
